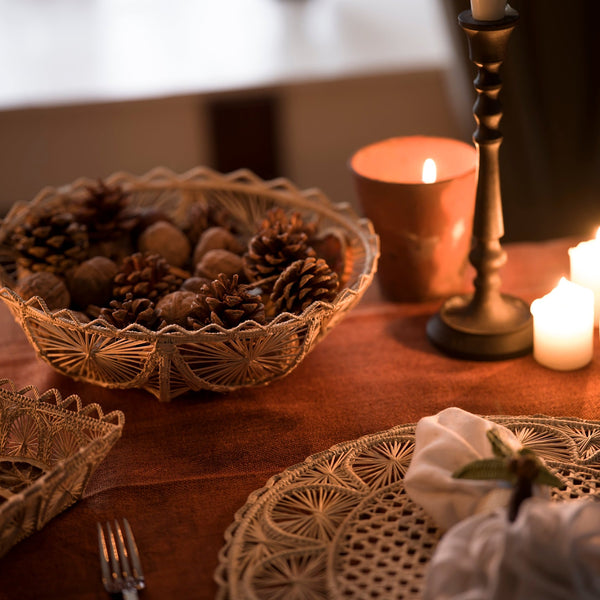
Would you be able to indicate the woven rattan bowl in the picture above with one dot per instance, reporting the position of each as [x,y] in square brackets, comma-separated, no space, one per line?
[172,361]
[49,448]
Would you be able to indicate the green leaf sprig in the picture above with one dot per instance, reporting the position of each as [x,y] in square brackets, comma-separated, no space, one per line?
[521,468]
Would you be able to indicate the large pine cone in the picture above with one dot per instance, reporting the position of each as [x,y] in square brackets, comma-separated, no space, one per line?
[102,211]
[145,276]
[50,241]
[302,283]
[225,303]
[130,310]
[281,240]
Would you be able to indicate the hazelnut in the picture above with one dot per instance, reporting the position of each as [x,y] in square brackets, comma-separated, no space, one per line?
[174,308]
[213,238]
[331,247]
[92,282]
[46,285]
[194,284]
[116,249]
[143,216]
[22,273]
[167,240]
[219,261]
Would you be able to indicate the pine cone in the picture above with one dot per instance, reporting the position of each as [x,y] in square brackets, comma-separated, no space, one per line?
[50,241]
[225,303]
[145,276]
[130,310]
[281,240]
[302,283]
[102,211]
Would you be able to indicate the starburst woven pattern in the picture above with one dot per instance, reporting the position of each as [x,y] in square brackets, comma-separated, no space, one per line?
[340,525]
[170,362]
[49,448]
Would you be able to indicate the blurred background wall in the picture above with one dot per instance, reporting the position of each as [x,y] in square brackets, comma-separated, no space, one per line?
[293,88]
[306,132]
[550,157]
[284,87]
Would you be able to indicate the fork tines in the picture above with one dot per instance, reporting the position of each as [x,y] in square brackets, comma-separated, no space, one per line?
[119,558]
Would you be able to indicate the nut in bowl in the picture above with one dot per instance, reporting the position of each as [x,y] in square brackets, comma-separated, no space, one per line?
[171,282]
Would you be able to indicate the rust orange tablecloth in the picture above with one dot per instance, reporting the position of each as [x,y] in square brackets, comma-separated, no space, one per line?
[181,470]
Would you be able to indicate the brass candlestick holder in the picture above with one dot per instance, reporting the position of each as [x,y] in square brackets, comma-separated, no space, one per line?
[485,325]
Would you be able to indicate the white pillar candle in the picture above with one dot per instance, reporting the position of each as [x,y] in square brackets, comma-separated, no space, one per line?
[563,327]
[488,10]
[585,268]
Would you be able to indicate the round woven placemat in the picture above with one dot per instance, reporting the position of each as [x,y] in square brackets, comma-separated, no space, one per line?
[340,525]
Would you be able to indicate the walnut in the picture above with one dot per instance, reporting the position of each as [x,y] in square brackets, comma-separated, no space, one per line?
[167,240]
[213,238]
[194,284]
[219,261]
[92,281]
[46,285]
[174,308]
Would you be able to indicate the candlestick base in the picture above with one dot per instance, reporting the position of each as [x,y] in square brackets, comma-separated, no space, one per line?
[461,329]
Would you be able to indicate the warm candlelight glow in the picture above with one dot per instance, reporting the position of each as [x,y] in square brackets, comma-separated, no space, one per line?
[429,171]
[425,228]
[584,260]
[563,327]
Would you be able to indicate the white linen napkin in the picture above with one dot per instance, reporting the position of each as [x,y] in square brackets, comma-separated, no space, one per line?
[444,443]
[550,552]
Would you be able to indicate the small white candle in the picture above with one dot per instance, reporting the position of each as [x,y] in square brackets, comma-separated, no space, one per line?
[488,10]
[585,268]
[563,327]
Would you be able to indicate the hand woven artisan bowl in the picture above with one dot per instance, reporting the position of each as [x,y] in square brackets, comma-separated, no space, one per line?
[173,360]
[49,448]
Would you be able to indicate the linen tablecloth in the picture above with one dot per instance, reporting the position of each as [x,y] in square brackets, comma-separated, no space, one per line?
[182,469]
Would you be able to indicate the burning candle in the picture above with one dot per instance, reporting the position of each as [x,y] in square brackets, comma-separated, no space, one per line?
[419,192]
[585,268]
[563,327]
[429,173]
[488,10]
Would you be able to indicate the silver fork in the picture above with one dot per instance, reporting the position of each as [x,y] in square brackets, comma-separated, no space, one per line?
[120,560]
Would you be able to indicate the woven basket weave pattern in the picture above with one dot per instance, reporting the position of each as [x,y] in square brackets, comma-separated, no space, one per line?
[340,524]
[174,360]
[49,448]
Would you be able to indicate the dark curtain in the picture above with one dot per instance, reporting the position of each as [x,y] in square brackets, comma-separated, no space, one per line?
[550,157]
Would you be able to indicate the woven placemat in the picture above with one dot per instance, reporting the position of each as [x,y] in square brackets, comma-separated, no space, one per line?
[340,525]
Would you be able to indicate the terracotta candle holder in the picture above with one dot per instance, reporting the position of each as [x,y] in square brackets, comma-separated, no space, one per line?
[425,228]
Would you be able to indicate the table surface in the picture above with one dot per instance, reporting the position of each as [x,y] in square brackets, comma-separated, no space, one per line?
[182,469]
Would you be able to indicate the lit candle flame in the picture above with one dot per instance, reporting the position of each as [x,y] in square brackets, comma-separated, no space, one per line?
[598,234]
[429,171]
